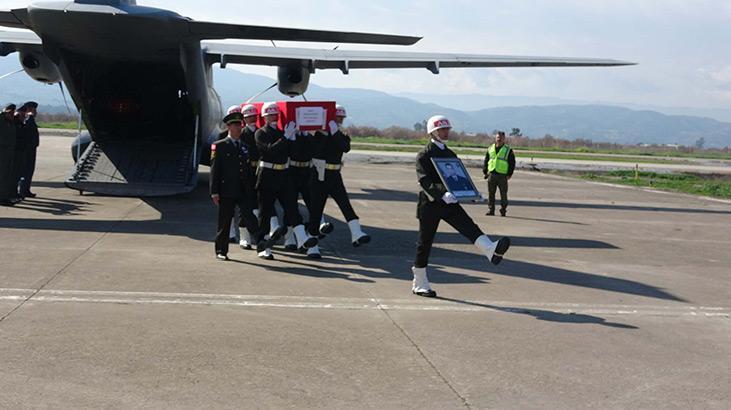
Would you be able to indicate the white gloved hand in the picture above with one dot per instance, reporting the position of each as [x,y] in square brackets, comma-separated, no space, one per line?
[319,165]
[290,131]
[333,127]
[449,198]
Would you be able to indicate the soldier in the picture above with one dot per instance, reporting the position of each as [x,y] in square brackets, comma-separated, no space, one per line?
[327,181]
[250,114]
[498,168]
[21,147]
[229,172]
[233,230]
[31,149]
[436,203]
[300,164]
[8,183]
[273,181]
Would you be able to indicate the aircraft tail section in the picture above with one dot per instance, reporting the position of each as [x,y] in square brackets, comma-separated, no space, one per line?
[141,168]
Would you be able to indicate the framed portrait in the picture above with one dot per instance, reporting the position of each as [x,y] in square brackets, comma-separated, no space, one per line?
[455,178]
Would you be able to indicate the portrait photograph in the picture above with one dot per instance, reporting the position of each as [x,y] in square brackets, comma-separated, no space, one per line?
[455,177]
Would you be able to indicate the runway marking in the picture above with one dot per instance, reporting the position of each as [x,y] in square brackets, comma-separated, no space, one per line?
[342,303]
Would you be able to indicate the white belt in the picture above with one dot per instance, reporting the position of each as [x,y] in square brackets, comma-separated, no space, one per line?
[276,167]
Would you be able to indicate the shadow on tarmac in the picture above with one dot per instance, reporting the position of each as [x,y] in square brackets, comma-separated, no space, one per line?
[547,315]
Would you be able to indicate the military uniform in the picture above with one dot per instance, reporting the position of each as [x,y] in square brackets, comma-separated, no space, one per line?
[497,168]
[29,161]
[21,147]
[275,183]
[8,183]
[230,172]
[431,208]
[330,149]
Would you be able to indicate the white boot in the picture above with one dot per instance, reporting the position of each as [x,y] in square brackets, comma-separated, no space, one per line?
[290,241]
[357,235]
[245,241]
[303,239]
[420,285]
[493,250]
[273,226]
[266,254]
[314,253]
[232,231]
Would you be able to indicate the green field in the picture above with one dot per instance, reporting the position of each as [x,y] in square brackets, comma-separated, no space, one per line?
[712,186]
[70,125]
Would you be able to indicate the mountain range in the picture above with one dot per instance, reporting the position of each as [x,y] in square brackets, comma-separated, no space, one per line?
[536,117]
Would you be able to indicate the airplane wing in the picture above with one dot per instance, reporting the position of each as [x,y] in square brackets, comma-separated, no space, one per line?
[213,31]
[11,41]
[346,60]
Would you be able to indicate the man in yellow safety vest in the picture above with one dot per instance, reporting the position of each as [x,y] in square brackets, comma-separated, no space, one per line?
[498,169]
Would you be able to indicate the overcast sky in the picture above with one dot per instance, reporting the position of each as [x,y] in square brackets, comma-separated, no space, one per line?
[682,46]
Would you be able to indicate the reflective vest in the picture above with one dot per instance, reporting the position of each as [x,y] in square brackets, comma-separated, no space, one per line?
[498,161]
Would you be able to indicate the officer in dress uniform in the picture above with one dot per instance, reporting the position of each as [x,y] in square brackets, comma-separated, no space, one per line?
[31,149]
[251,115]
[327,181]
[229,173]
[232,232]
[8,183]
[22,140]
[436,203]
[498,168]
[274,182]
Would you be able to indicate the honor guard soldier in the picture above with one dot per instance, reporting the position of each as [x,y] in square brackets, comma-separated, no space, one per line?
[251,115]
[327,181]
[8,183]
[300,164]
[436,203]
[498,168]
[273,181]
[229,173]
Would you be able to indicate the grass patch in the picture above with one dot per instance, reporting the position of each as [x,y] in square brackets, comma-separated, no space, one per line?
[71,125]
[707,185]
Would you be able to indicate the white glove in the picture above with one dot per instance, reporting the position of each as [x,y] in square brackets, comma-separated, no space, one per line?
[333,127]
[319,165]
[290,130]
[449,198]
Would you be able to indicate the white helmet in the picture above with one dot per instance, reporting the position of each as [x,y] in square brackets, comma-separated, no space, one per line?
[232,109]
[437,122]
[340,111]
[249,110]
[269,108]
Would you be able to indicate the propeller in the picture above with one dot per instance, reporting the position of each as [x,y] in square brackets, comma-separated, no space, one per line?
[267,89]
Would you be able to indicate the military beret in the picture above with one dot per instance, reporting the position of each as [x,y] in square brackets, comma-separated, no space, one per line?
[31,104]
[10,107]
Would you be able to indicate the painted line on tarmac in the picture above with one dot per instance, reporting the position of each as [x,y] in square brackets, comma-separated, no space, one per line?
[341,303]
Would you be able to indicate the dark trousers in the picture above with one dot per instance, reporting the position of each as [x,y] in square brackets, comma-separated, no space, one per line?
[285,193]
[495,181]
[334,187]
[27,171]
[302,184]
[226,208]
[430,216]
[8,183]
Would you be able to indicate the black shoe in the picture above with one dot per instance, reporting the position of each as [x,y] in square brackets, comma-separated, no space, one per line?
[278,234]
[326,228]
[29,195]
[221,257]
[491,212]
[502,246]
[430,294]
[7,202]
[314,256]
[362,241]
[503,212]
[310,242]
[291,247]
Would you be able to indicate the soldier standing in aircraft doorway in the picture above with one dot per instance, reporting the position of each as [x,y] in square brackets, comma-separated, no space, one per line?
[327,181]
[436,203]
[273,181]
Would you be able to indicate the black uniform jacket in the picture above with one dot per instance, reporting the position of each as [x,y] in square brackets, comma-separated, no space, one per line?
[432,188]
[229,169]
[248,137]
[273,148]
[330,147]
[7,133]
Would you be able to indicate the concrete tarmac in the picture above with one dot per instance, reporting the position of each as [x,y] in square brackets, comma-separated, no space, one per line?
[611,297]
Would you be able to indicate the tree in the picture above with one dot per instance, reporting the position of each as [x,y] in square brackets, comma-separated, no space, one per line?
[700,142]
[516,132]
[418,127]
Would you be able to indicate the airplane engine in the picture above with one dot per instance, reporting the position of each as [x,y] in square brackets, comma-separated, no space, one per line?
[39,67]
[293,80]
